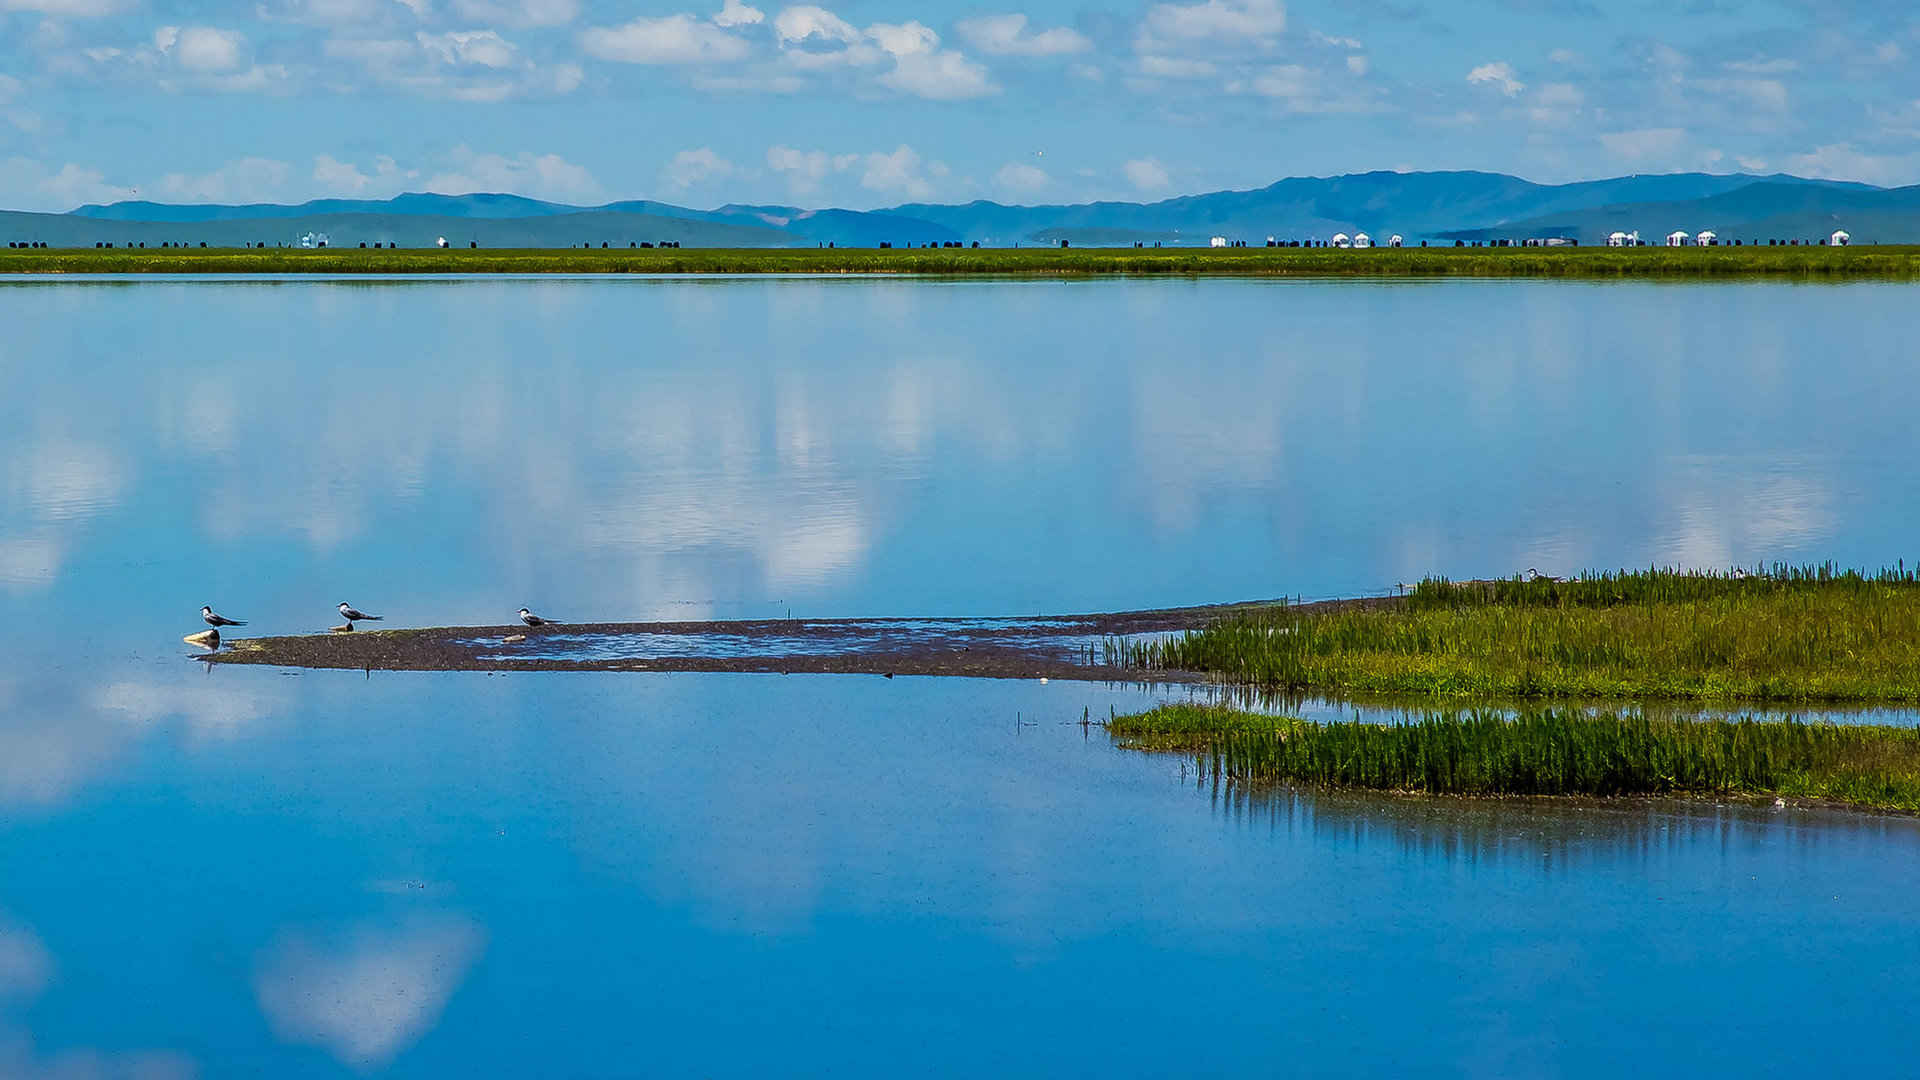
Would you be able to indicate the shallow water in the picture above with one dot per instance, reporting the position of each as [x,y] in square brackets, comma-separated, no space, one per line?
[245,871]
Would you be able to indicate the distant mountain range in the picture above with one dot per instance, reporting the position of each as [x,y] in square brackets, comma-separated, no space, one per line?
[1439,206]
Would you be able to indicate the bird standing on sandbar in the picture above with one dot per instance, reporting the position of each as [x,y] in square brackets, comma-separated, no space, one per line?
[531,619]
[217,620]
[348,613]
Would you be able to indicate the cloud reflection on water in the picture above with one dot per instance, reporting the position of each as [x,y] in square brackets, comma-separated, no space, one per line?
[366,993]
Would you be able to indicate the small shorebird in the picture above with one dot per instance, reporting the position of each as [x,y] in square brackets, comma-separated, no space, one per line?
[1535,575]
[531,619]
[213,619]
[353,616]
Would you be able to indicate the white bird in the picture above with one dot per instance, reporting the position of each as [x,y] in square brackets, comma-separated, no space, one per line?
[216,620]
[531,619]
[353,616]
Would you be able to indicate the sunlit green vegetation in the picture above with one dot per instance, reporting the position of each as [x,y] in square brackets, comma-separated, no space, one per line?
[1792,635]
[1812,263]
[1548,752]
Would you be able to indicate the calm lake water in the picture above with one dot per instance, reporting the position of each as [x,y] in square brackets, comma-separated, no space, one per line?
[244,872]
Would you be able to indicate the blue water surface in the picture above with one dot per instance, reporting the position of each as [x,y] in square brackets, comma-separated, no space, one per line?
[245,872]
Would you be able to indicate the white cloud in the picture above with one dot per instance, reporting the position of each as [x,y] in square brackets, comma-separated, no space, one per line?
[246,180]
[1844,161]
[1644,143]
[1287,81]
[1021,178]
[519,13]
[938,76]
[201,48]
[1768,94]
[484,48]
[335,177]
[545,176]
[692,167]
[11,89]
[1358,65]
[897,173]
[367,998]
[26,184]
[797,24]
[1147,175]
[670,39]
[1498,75]
[1564,56]
[1233,22]
[1007,35]
[735,13]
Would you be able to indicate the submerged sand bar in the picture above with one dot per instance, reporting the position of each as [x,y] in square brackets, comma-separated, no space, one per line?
[1051,646]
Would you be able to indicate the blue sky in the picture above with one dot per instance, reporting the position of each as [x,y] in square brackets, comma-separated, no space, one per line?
[868,103]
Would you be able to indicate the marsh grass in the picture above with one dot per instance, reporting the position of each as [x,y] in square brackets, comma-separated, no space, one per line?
[1546,752]
[1810,263]
[1814,634]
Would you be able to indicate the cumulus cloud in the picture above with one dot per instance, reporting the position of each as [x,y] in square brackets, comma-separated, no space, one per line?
[26,184]
[899,173]
[334,177]
[1844,161]
[813,39]
[690,168]
[1499,75]
[369,994]
[669,39]
[806,22]
[1229,22]
[1176,67]
[25,965]
[1008,35]
[735,13]
[484,48]
[200,48]
[1147,175]
[1021,178]
[546,176]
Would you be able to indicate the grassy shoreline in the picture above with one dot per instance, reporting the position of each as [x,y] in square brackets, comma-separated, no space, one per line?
[1783,263]
[1811,635]
[1547,753]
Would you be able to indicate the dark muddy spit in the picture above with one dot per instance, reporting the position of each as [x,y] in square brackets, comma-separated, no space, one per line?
[1053,646]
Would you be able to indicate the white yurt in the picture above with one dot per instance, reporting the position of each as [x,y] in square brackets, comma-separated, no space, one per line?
[1618,239]
[1342,240]
[1362,240]
[1396,240]
[1707,239]
[1841,238]
[1216,241]
[1678,238]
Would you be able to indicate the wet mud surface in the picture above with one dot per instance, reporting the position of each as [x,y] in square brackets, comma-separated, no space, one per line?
[1057,647]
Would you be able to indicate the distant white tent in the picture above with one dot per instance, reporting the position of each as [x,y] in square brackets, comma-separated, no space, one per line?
[1678,238]
[1841,238]
[1618,239]
[1217,241]
[1396,240]
[1342,240]
[441,242]
[1707,239]
[1362,240]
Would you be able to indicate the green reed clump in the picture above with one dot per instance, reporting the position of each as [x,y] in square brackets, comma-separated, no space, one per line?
[1819,635]
[1657,585]
[1547,752]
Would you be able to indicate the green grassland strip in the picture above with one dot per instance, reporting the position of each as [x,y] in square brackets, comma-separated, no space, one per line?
[1547,752]
[1797,637]
[1808,263]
